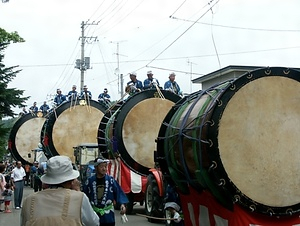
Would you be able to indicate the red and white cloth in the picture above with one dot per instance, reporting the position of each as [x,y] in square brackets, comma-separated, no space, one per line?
[202,209]
[128,179]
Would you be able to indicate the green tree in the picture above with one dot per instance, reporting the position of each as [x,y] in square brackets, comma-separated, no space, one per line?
[9,97]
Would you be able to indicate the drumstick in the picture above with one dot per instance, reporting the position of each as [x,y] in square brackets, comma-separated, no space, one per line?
[159,92]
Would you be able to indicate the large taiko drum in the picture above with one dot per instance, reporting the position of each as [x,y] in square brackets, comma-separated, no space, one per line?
[70,125]
[132,130]
[105,130]
[24,137]
[240,140]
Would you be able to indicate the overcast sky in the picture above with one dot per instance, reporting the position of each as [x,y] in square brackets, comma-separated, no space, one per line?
[160,35]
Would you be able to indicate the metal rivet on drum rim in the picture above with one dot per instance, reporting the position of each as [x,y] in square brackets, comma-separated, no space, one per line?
[212,166]
[232,86]
[237,198]
[270,211]
[250,75]
[286,71]
[211,122]
[222,182]
[220,102]
[289,211]
[252,208]
[268,71]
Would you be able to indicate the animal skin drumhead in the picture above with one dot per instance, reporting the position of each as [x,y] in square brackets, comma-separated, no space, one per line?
[141,126]
[259,140]
[28,137]
[75,126]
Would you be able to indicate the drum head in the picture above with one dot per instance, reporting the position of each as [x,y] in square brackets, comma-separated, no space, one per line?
[137,126]
[25,137]
[70,126]
[257,141]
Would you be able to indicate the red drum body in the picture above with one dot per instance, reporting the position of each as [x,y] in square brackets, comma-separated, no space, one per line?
[25,137]
[132,129]
[70,125]
[240,140]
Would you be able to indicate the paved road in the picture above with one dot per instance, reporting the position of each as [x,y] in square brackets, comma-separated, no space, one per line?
[13,219]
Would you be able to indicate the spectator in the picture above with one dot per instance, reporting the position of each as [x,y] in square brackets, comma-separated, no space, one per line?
[17,178]
[37,178]
[104,97]
[33,109]
[45,108]
[150,82]
[2,184]
[59,98]
[7,194]
[172,86]
[85,93]
[8,171]
[61,203]
[33,170]
[103,190]
[27,172]
[73,94]
[134,85]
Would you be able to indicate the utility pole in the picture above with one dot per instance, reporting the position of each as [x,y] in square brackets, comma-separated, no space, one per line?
[84,63]
[191,74]
[117,71]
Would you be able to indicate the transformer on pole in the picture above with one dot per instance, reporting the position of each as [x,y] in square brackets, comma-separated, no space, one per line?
[84,63]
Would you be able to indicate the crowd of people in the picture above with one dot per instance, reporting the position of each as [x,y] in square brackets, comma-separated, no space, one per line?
[57,198]
[13,177]
[133,86]
[72,96]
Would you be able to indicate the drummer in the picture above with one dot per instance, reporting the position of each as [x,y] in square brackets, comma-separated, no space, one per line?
[59,98]
[134,85]
[85,93]
[34,108]
[172,85]
[73,94]
[150,82]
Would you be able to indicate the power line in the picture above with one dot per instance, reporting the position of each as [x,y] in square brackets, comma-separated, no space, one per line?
[213,40]
[236,27]
[178,8]
[183,32]
[167,58]
[121,18]
[168,69]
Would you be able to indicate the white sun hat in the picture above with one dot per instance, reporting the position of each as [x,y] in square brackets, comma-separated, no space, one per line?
[59,170]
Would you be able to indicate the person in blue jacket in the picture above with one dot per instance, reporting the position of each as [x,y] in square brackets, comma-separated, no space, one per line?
[102,190]
[45,108]
[85,93]
[104,97]
[150,82]
[33,108]
[59,98]
[134,85]
[73,94]
[172,86]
